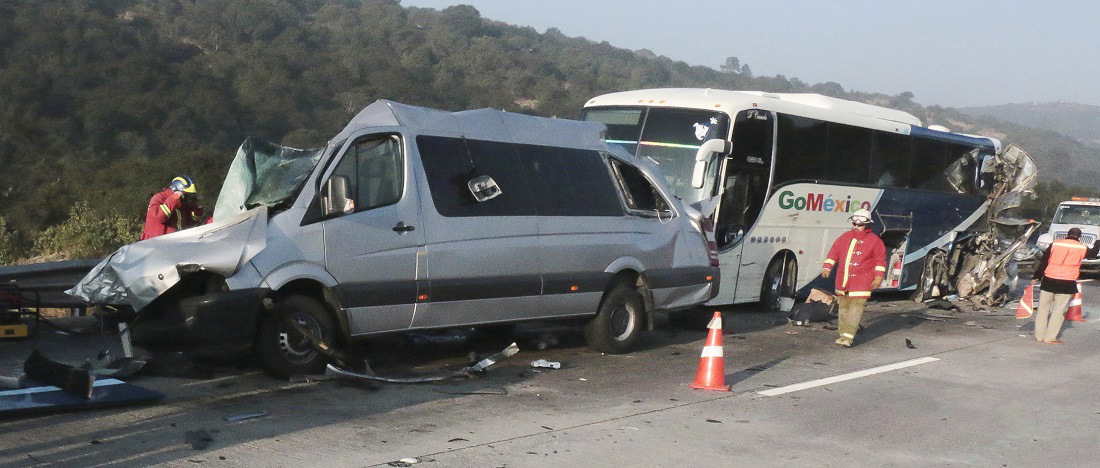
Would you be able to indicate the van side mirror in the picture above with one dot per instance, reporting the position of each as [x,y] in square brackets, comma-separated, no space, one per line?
[334,197]
[483,188]
[704,156]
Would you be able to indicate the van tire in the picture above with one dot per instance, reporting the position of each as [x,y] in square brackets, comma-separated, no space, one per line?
[619,322]
[779,281]
[283,351]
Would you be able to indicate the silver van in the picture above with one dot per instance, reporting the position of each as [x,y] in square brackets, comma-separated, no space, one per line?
[414,219]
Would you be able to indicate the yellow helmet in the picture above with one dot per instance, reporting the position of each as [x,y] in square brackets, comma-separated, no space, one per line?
[183,184]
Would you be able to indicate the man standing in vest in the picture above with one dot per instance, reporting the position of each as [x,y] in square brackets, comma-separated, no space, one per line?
[173,209]
[860,260]
[1057,272]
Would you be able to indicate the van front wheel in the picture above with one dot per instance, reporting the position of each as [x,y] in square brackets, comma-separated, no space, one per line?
[619,322]
[283,351]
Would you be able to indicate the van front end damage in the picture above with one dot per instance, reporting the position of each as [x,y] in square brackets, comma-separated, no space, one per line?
[201,313]
[176,284]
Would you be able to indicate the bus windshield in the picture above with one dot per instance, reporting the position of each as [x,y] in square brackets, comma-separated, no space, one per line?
[1078,214]
[669,137]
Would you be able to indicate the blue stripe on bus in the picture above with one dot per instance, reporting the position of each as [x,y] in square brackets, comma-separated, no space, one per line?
[934,214]
[984,143]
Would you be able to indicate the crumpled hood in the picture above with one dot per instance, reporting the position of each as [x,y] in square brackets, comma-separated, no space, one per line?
[138,273]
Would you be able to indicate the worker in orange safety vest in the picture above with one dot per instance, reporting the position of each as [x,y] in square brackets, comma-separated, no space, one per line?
[173,209]
[859,258]
[1057,272]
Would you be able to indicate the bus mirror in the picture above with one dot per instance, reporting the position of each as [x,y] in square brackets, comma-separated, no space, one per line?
[698,174]
[703,157]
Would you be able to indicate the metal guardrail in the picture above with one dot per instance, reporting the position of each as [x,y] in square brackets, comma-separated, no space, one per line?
[49,280]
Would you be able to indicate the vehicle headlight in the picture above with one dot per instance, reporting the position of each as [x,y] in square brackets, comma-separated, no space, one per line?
[1044,241]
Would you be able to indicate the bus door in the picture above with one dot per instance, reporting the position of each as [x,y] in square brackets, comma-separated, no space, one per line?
[745,177]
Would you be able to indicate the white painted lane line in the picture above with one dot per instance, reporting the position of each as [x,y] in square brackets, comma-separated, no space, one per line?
[848,376]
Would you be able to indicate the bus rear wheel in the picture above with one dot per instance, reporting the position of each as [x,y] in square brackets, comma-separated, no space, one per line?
[779,281]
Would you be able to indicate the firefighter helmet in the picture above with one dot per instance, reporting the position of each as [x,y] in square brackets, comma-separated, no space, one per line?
[861,217]
[183,184]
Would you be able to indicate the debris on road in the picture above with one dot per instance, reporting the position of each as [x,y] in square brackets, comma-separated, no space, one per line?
[542,363]
[942,304]
[817,308]
[70,379]
[970,323]
[369,375]
[242,417]
[405,462]
[198,440]
[924,317]
[909,344]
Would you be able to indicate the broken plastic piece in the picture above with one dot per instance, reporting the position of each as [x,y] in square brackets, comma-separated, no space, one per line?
[70,379]
[546,364]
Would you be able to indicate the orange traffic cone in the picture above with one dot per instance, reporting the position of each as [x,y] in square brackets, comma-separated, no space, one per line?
[712,373]
[1073,313]
[1027,303]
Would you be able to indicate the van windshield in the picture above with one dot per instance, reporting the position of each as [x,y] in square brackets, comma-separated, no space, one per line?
[1078,214]
[264,174]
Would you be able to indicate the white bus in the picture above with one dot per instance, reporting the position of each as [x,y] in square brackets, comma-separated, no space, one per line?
[783,172]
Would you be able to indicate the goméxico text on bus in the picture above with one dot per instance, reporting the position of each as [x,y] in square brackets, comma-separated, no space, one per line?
[819,202]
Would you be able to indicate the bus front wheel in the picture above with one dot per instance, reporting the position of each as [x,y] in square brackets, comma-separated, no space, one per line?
[779,281]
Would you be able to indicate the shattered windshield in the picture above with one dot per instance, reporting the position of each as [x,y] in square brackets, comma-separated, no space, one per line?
[263,173]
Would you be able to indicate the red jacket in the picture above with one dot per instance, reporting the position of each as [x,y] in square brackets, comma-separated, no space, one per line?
[168,213]
[860,257]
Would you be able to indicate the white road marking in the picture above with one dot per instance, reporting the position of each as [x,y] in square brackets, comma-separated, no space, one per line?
[848,376]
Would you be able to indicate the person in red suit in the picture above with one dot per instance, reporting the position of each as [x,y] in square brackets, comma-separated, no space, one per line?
[860,259]
[173,209]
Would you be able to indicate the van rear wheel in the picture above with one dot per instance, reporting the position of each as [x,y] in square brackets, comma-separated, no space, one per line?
[618,323]
[283,351]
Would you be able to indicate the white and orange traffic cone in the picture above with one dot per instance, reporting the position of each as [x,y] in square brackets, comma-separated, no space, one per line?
[1073,313]
[712,372]
[1026,307]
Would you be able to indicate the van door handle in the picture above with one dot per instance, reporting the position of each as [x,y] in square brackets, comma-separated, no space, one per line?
[401,227]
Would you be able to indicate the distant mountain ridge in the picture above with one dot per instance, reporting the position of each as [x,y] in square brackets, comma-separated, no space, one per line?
[1080,121]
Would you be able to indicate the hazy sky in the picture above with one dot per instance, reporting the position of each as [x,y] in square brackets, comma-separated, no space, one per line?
[949,52]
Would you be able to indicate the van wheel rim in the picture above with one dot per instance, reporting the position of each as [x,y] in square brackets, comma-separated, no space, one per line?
[294,347]
[622,322]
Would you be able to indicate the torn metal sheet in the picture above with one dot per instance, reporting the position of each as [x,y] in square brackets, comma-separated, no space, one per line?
[138,273]
[986,262]
[467,372]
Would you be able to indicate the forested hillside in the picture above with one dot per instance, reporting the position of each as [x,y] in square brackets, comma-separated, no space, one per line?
[103,101]
[1080,121]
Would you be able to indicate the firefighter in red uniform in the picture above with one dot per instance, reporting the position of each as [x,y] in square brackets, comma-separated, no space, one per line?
[174,209]
[1058,271]
[860,260]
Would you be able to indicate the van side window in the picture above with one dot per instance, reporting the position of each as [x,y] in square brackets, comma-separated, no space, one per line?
[451,162]
[638,192]
[570,182]
[375,171]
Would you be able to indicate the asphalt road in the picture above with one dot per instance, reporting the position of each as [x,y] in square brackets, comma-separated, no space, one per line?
[986,396]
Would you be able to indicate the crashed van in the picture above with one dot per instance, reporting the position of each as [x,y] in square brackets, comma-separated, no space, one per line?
[416,219]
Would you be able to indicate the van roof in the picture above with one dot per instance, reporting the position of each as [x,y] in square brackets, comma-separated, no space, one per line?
[481,124]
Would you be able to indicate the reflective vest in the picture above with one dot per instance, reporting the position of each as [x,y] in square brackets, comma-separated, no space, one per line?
[1065,259]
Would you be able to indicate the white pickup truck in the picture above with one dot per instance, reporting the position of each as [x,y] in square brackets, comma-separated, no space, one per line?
[1082,213]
